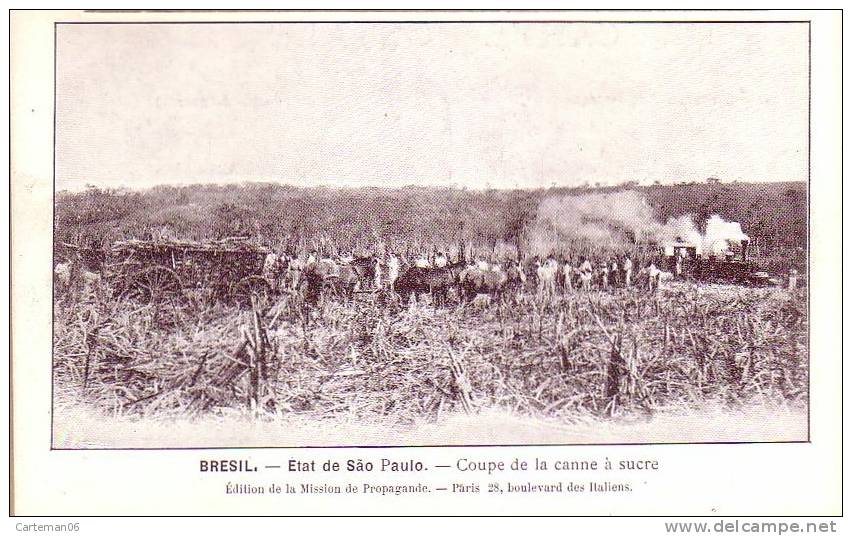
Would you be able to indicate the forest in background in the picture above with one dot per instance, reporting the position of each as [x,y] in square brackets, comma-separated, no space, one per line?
[774,215]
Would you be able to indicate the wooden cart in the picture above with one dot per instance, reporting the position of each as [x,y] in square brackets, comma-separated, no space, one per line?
[158,270]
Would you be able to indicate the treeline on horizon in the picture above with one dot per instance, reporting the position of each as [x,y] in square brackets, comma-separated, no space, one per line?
[285,216]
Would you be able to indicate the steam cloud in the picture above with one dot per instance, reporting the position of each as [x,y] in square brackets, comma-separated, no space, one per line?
[617,221]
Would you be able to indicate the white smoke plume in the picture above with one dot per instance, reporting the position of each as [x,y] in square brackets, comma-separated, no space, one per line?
[682,228]
[607,220]
[619,221]
[720,232]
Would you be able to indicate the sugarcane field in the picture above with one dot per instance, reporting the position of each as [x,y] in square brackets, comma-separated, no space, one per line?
[315,317]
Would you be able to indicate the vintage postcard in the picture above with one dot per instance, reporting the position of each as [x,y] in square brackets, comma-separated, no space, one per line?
[480,230]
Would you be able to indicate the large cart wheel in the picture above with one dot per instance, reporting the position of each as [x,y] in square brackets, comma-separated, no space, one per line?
[154,285]
[253,285]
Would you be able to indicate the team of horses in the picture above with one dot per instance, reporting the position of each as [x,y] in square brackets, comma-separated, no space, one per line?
[343,279]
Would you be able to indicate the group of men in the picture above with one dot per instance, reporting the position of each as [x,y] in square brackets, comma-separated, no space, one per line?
[586,274]
[550,273]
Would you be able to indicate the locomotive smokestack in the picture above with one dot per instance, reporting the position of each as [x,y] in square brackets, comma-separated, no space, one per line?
[744,246]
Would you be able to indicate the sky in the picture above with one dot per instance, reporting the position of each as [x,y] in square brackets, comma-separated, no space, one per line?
[470,105]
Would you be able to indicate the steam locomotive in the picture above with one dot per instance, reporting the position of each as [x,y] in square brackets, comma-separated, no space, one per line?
[730,265]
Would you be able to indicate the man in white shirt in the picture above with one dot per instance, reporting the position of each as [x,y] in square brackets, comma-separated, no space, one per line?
[586,274]
[393,269]
[568,276]
[628,271]
[377,273]
[653,277]
[440,260]
[547,276]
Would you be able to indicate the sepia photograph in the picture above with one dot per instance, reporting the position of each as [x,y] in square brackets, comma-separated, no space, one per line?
[430,233]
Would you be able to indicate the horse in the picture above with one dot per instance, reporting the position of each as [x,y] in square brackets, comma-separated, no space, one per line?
[475,281]
[326,275]
[365,267]
[435,281]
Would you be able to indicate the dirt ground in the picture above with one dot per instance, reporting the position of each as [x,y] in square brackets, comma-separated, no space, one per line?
[81,428]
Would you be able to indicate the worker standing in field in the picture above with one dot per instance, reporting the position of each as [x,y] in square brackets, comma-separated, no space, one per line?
[628,271]
[271,264]
[586,274]
[377,273]
[440,260]
[604,275]
[568,276]
[793,281]
[653,277]
[537,267]
[613,272]
[551,269]
[393,269]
